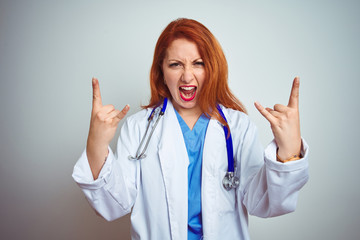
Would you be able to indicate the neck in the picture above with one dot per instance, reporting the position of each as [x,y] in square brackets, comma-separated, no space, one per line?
[190,116]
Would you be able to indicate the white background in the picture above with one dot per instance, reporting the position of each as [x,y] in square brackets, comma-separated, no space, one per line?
[49,50]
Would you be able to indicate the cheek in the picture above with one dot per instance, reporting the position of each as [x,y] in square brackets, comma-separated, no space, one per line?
[170,84]
[201,78]
[171,79]
[172,87]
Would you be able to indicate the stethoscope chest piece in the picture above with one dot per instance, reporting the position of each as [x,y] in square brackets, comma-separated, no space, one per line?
[230,181]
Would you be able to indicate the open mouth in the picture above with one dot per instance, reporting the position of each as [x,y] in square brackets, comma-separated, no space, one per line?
[187,93]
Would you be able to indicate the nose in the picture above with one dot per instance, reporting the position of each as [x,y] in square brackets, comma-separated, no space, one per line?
[188,74]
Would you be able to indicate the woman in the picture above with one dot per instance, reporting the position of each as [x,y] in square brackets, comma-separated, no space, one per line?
[176,191]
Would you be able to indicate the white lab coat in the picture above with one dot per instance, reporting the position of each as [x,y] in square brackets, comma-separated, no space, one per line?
[155,189]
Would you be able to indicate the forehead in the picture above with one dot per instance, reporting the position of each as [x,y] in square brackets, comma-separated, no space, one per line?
[182,49]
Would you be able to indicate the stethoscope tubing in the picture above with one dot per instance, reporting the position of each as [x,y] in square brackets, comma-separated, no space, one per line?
[230,181]
[229,144]
[142,154]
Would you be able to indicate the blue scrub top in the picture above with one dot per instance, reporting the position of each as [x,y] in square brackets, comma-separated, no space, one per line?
[194,141]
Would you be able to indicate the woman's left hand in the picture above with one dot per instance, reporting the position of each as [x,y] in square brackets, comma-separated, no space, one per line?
[285,123]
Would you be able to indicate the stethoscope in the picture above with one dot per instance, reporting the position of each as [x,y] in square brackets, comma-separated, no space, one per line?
[141,154]
[229,181]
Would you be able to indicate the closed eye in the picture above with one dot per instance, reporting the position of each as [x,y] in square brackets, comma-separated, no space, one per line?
[175,64]
[199,63]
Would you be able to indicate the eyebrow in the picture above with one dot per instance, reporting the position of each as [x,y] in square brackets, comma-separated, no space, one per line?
[196,59]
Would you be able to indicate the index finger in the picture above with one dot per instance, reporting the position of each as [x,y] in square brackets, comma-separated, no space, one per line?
[96,93]
[294,95]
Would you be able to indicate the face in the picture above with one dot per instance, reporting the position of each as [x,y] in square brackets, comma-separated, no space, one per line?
[184,75]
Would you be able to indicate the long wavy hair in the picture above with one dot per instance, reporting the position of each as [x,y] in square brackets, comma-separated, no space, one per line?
[215,90]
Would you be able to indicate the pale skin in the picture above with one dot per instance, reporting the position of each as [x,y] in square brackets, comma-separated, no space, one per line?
[285,123]
[103,124]
[184,67]
[188,71]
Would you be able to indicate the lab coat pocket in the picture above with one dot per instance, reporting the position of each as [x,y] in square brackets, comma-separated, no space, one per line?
[225,200]
[120,193]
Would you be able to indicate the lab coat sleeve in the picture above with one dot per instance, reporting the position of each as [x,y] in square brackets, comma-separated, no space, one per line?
[113,193]
[269,188]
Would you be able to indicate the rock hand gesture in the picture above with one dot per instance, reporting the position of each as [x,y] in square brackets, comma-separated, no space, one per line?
[103,125]
[285,124]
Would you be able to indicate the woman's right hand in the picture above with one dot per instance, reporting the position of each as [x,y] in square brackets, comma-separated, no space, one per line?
[103,125]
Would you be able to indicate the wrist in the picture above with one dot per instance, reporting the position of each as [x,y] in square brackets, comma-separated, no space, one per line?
[286,157]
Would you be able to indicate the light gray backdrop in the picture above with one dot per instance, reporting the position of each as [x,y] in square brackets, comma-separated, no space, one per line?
[49,50]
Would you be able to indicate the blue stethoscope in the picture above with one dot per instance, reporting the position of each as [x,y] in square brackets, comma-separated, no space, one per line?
[229,182]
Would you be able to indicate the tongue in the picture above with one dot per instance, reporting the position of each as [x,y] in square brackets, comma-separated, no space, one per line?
[188,92]
[187,95]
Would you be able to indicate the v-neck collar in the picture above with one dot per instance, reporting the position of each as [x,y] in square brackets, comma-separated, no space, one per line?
[185,128]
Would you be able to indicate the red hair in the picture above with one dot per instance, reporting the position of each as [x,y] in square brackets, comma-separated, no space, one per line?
[216,90]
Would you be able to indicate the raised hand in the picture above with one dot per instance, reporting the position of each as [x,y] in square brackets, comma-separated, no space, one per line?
[103,125]
[285,123]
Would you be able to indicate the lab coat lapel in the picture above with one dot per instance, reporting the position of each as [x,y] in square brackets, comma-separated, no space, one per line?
[174,163]
[214,149]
